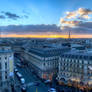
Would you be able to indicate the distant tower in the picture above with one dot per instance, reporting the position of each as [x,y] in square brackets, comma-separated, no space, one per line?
[0,34]
[69,35]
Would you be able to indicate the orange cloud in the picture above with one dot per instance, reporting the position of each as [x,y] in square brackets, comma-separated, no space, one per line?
[75,19]
[72,23]
[70,15]
[81,12]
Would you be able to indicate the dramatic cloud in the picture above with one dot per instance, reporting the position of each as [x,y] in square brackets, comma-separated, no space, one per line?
[77,21]
[70,15]
[77,30]
[84,17]
[11,15]
[83,11]
[30,29]
[80,13]
[2,17]
[72,23]
[74,17]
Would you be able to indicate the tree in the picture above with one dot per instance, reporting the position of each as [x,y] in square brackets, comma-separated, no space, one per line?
[54,81]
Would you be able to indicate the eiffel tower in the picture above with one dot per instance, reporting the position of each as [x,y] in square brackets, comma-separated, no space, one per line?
[69,35]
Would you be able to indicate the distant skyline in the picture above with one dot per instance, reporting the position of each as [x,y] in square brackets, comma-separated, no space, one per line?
[38,12]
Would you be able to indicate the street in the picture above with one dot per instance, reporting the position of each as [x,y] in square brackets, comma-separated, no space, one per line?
[29,77]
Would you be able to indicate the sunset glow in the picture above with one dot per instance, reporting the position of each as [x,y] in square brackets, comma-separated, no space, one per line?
[47,36]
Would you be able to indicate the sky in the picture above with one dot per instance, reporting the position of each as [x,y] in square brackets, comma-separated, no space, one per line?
[18,17]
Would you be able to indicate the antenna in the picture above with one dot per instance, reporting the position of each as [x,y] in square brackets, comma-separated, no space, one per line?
[69,35]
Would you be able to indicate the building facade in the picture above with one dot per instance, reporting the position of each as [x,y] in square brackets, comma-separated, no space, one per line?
[44,60]
[76,67]
[6,67]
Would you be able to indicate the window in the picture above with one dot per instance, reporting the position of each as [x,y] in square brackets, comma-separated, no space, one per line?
[5,75]
[85,62]
[76,60]
[80,61]
[80,66]
[5,65]
[61,64]
[5,58]
[90,62]
[85,67]
[44,64]
[48,63]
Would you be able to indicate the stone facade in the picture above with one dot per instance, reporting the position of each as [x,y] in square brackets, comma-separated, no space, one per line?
[75,66]
[6,67]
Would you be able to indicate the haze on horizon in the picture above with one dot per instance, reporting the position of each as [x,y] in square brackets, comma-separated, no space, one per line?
[46,18]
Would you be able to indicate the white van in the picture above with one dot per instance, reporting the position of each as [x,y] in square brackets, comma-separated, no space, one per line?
[19,75]
[15,70]
[23,88]
[52,90]
[22,80]
[47,81]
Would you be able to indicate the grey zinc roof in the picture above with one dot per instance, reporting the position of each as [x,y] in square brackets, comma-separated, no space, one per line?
[6,51]
[46,52]
[79,54]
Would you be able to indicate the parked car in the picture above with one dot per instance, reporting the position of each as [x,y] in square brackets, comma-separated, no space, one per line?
[52,90]
[47,81]
[15,70]
[19,65]
[19,75]
[23,88]
[22,80]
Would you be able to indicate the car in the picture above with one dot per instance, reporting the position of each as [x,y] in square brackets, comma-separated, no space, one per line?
[47,81]
[19,65]
[23,88]
[52,90]
[19,75]
[15,70]
[22,80]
